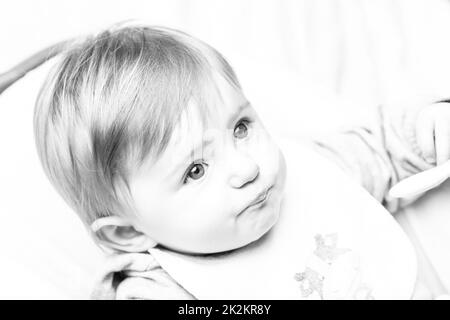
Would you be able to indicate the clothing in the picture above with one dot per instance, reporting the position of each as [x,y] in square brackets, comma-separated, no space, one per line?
[377,155]
[380,155]
[135,276]
[332,240]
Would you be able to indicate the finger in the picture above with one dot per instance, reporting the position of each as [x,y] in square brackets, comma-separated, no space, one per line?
[142,288]
[158,275]
[425,136]
[138,288]
[442,139]
[419,183]
[130,261]
[161,276]
[140,262]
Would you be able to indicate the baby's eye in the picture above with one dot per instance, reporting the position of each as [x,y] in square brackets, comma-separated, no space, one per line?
[241,129]
[194,172]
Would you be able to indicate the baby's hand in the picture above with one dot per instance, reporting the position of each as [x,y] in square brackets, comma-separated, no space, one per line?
[432,132]
[140,277]
[156,284]
[432,128]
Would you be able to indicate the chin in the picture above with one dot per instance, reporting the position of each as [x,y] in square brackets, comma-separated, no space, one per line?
[266,227]
[269,225]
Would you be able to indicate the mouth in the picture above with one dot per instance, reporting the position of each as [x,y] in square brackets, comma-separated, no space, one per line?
[259,199]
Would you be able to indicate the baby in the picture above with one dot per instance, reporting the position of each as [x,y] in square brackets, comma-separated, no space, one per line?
[147,134]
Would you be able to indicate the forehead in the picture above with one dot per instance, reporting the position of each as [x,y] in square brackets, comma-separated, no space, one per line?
[200,121]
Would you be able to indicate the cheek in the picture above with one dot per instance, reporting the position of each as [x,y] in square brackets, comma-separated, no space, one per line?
[218,201]
[207,218]
[206,204]
[282,168]
[268,154]
[185,217]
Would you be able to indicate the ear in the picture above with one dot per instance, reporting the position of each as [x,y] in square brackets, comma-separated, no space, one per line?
[117,233]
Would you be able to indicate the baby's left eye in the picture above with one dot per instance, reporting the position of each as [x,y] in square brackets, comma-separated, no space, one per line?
[241,129]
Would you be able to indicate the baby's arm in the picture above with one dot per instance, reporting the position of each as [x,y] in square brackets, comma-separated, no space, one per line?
[383,152]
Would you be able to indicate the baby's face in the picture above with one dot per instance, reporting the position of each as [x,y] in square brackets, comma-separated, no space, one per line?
[217,196]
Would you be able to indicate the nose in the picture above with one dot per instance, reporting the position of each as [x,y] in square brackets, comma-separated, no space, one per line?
[243,170]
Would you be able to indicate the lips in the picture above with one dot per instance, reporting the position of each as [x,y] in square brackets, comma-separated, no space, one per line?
[261,197]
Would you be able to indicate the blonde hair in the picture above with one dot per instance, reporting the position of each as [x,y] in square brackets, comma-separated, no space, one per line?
[112,101]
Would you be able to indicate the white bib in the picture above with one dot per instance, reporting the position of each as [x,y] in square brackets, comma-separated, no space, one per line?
[332,241]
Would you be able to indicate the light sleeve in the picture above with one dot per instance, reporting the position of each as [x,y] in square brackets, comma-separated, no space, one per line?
[379,154]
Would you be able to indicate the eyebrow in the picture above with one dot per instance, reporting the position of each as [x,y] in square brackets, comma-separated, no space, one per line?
[241,108]
[206,142]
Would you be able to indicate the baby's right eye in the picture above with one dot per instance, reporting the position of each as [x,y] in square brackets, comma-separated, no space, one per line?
[195,171]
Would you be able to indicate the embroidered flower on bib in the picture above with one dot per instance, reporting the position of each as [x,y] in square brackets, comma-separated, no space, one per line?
[332,272]
[326,247]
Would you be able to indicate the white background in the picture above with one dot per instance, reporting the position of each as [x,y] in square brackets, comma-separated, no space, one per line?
[307,65]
